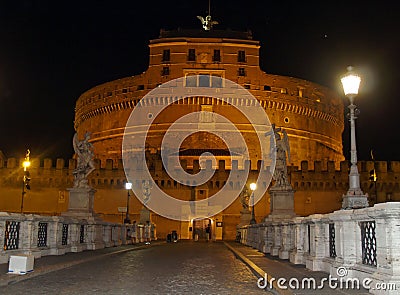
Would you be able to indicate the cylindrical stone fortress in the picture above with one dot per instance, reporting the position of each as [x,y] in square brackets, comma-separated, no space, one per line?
[311,114]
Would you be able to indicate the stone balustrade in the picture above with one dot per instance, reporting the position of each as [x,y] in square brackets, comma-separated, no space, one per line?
[56,235]
[363,242]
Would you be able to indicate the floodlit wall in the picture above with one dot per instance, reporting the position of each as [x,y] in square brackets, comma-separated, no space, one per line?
[317,191]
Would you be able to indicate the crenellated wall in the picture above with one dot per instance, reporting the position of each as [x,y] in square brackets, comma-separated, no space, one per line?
[318,190]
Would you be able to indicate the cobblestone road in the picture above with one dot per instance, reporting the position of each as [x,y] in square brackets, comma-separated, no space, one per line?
[178,268]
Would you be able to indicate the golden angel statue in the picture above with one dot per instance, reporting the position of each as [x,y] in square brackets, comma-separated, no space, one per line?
[207,22]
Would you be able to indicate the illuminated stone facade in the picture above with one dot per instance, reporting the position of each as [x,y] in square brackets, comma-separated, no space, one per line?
[311,114]
[318,190]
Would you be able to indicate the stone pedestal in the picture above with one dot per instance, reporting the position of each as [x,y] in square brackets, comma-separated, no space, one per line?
[80,203]
[282,203]
[352,201]
[245,217]
[145,215]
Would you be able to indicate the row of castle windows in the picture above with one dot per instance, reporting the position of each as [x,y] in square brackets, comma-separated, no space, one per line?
[165,71]
[191,56]
[266,104]
[217,84]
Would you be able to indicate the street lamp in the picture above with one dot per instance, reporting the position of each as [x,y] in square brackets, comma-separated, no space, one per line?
[253,187]
[128,187]
[354,198]
[27,178]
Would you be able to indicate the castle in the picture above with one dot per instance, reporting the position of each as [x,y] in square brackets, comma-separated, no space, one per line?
[311,114]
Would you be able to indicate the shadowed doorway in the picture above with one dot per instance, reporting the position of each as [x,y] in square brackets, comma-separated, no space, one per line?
[202,229]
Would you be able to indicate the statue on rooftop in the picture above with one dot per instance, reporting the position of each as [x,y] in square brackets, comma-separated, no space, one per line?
[207,22]
[85,164]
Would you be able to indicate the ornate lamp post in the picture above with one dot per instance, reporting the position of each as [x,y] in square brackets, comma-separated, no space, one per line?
[26,179]
[128,187]
[253,187]
[354,198]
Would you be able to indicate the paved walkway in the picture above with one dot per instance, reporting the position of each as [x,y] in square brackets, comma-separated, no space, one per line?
[258,262]
[277,268]
[51,263]
[186,267]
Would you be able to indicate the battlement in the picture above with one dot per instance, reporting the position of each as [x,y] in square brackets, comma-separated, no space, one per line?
[313,181]
[155,164]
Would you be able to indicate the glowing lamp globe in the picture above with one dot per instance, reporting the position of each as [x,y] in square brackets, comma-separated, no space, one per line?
[350,82]
[26,164]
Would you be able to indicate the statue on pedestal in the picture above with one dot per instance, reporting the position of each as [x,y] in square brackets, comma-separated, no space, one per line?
[282,148]
[282,193]
[244,199]
[85,164]
[81,196]
[245,215]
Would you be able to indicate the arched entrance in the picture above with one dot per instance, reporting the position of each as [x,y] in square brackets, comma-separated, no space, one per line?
[202,229]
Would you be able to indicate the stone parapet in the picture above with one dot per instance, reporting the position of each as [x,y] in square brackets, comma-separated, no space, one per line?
[56,235]
[360,244]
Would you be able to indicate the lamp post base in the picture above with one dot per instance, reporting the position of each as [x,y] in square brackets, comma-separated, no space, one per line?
[355,201]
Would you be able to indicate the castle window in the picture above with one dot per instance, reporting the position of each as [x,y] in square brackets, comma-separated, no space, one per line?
[216,81]
[192,55]
[166,55]
[241,72]
[124,90]
[283,90]
[267,88]
[140,87]
[204,81]
[217,55]
[247,86]
[191,81]
[300,92]
[165,71]
[241,56]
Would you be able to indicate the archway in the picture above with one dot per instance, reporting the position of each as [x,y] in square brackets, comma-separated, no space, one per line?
[202,229]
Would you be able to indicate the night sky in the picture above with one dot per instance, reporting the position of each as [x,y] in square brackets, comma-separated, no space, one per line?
[53,51]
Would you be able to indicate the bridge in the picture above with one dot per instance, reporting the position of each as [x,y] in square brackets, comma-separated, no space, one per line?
[102,259]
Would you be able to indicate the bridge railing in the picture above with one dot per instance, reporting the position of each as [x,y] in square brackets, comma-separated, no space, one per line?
[365,243]
[56,235]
